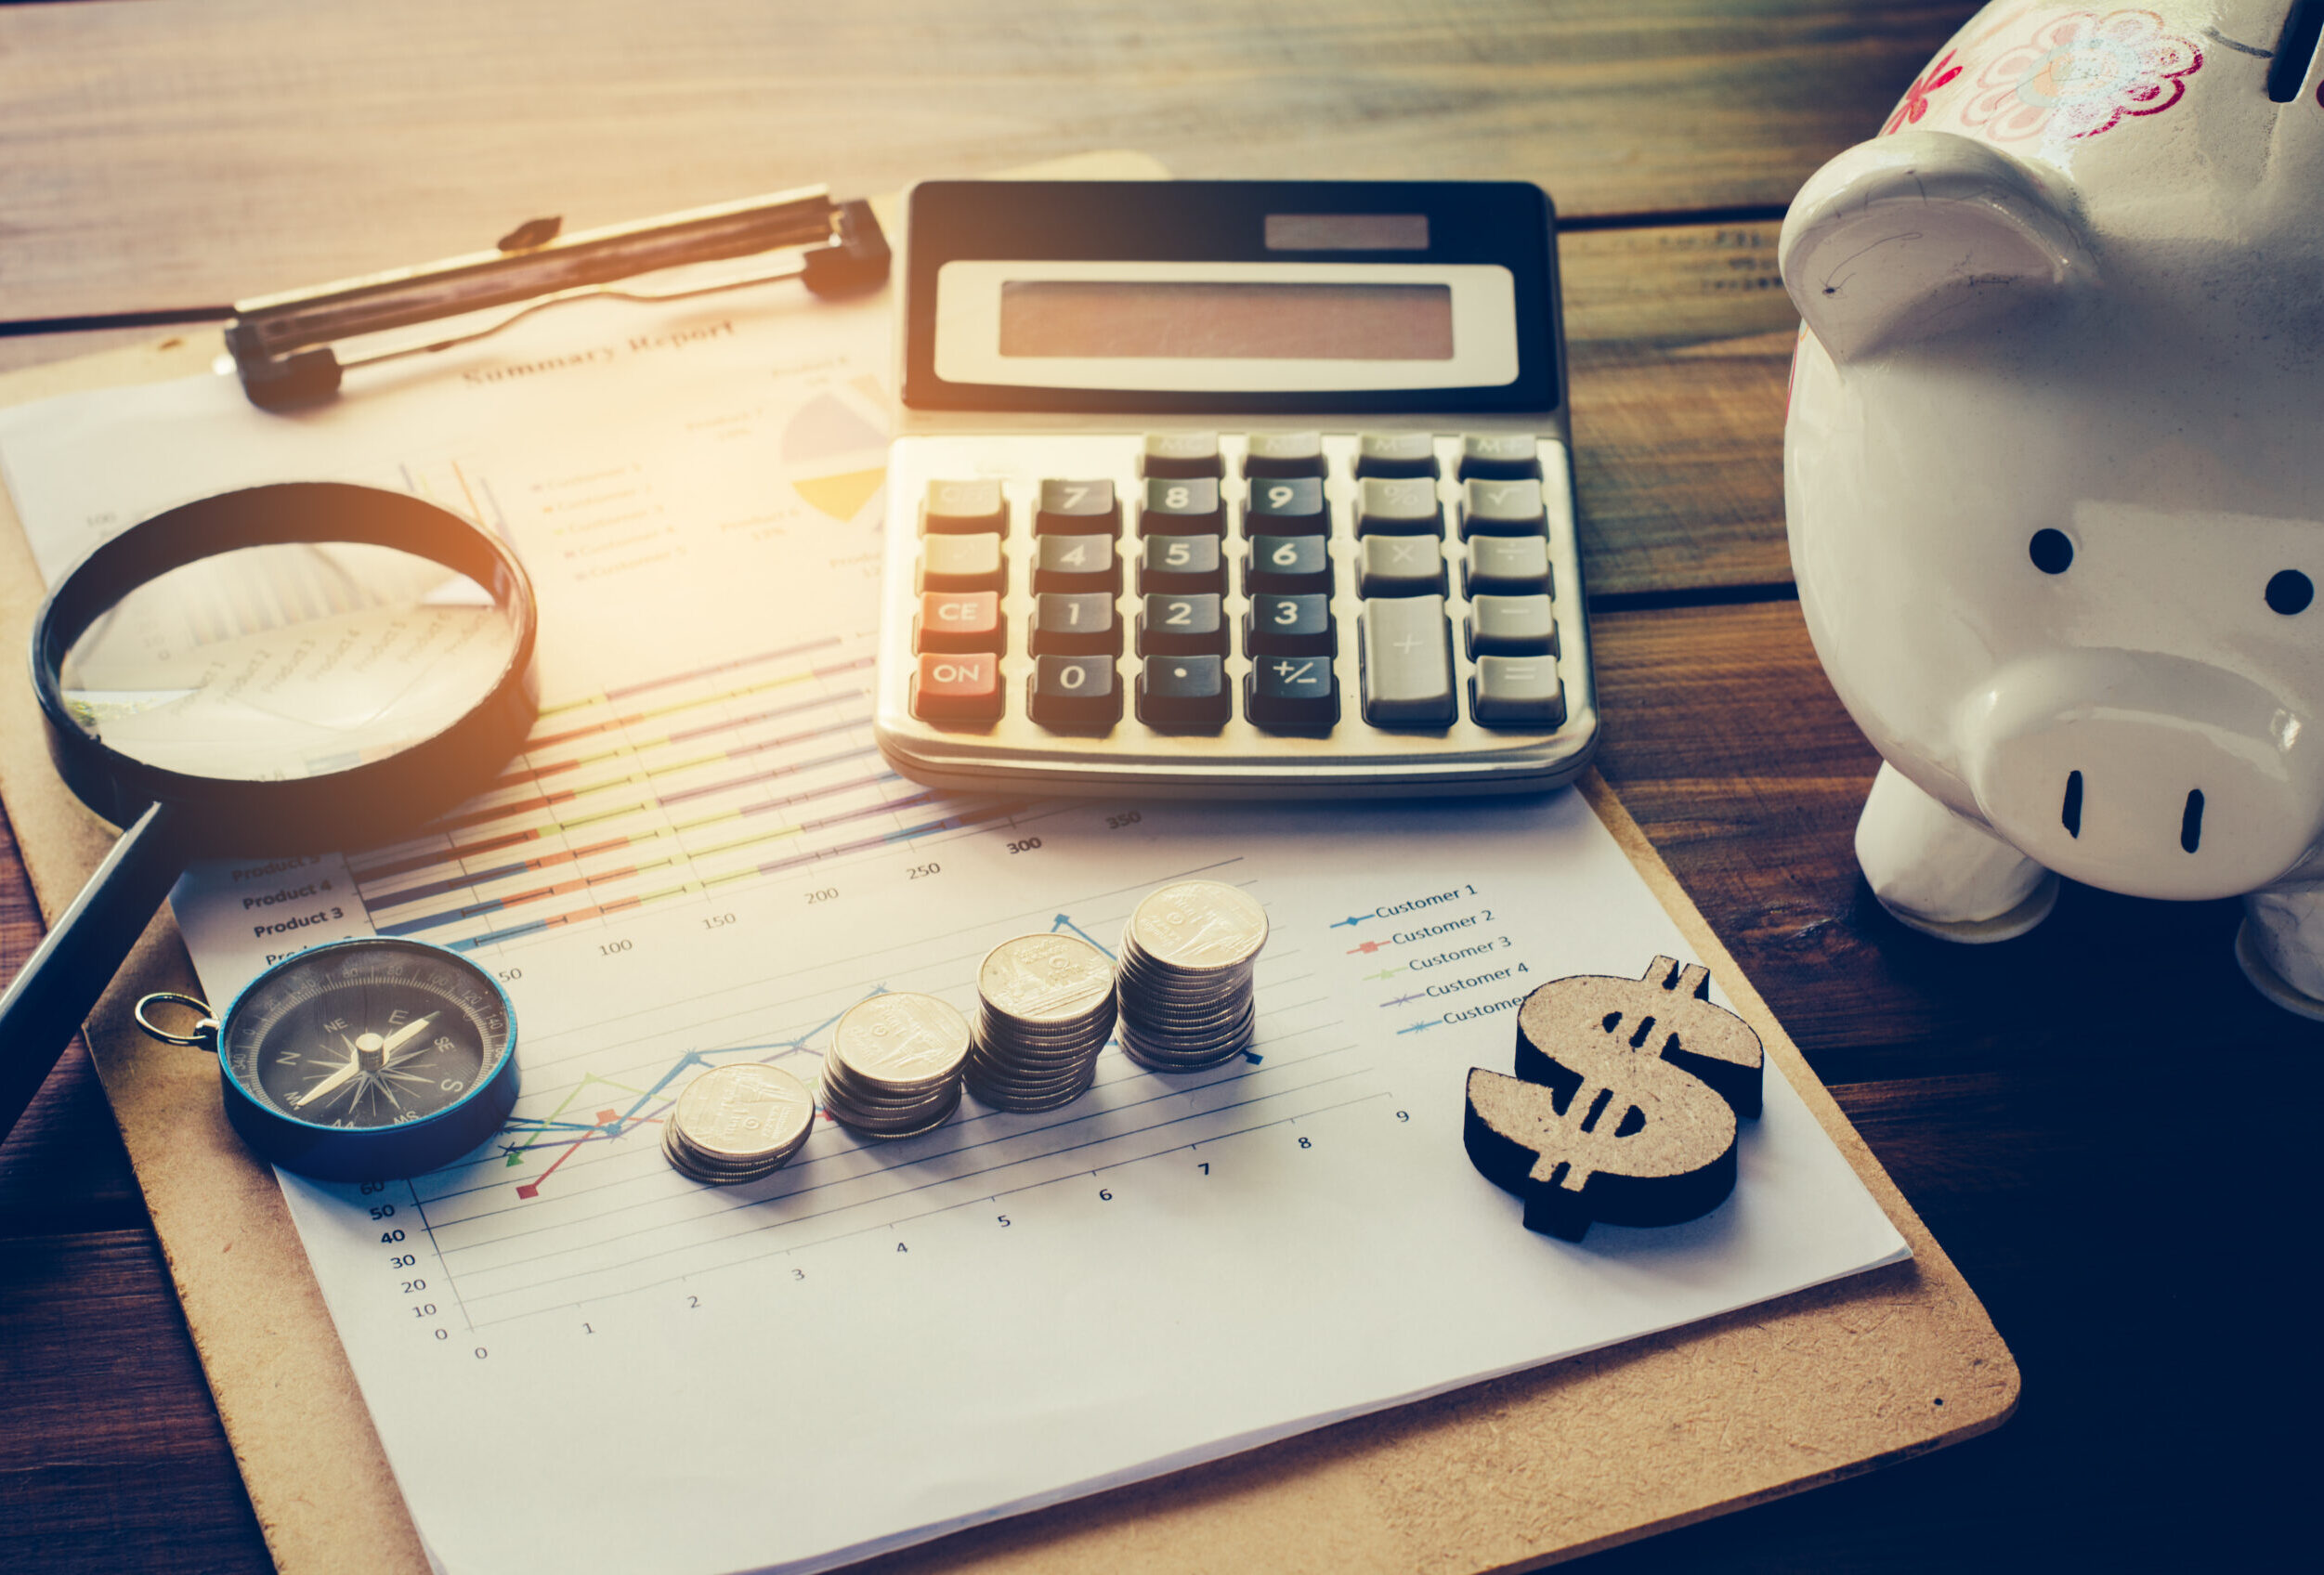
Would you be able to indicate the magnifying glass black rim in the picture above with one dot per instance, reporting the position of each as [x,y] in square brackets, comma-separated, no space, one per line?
[360,803]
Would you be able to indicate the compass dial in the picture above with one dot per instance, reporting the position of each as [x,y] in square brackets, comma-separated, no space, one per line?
[371,1037]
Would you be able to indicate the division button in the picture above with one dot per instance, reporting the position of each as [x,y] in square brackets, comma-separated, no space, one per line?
[959,621]
[1291,505]
[964,507]
[1181,563]
[1398,507]
[1407,660]
[964,687]
[1400,566]
[1293,695]
[1184,694]
[1396,453]
[1183,453]
[1074,508]
[1502,508]
[1076,563]
[1499,456]
[1178,507]
[1182,625]
[1076,693]
[1511,626]
[1289,626]
[1076,624]
[1517,692]
[1285,453]
[1289,563]
[1508,566]
[962,563]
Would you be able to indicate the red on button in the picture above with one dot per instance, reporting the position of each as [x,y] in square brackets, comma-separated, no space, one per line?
[959,621]
[962,686]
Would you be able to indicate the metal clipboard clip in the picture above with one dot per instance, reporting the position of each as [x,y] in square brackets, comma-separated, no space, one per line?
[284,345]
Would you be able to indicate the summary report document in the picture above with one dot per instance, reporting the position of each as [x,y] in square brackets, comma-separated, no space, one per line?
[578,1360]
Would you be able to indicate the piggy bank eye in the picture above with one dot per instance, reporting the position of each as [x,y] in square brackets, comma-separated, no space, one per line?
[2050,551]
[2289,591]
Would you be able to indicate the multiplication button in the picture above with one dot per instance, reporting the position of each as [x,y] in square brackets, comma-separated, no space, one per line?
[1502,508]
[1285,453]
[1400,566]
[1074,694]
[1183,453]
[1517,692]
[1077,508]
[1499,456]
[964,508]
[1184,694]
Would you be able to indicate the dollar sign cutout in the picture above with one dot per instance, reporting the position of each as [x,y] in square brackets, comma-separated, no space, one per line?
[1625,1102]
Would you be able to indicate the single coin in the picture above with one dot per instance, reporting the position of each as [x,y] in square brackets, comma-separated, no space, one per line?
[1045,979]
[905,1040]
[1197,925]
[744,1112]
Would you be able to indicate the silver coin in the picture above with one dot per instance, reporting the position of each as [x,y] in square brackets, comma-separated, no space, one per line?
[848,1100]
[902,1040]
[1197,926]
[889,1131]
[743,1114]
[1023,1101]
[1045,980]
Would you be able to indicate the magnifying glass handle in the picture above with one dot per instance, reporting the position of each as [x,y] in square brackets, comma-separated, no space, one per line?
[54,992]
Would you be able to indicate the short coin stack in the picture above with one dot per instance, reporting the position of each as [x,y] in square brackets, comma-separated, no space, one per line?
[1187,955]
[738,1124]
[1045,1008]
[894,1068]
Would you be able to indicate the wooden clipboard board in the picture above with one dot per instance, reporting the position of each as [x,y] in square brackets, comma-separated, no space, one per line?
[1522,1471]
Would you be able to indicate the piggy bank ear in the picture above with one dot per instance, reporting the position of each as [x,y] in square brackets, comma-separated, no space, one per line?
[1910,237]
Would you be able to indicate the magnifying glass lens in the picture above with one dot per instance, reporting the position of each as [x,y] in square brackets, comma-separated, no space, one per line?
[288,660]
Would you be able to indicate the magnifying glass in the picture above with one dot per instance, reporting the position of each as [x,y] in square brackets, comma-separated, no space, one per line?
[280,669]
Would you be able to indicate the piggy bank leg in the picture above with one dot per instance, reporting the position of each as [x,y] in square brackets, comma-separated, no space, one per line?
[2281,948]
[1943,875]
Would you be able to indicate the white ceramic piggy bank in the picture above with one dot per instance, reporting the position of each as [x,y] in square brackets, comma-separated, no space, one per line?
[2054,469]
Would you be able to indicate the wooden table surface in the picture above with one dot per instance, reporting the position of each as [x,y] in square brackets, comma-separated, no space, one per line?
[2108,1131]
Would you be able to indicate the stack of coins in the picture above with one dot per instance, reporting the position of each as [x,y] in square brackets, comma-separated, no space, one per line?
[1045,1008]
[1187,956]
[738,1124]
[894,1068]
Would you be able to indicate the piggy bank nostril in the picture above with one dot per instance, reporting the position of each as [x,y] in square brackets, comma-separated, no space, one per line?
[2289,591]
[2191,821]
[2050,551]
[2070,814]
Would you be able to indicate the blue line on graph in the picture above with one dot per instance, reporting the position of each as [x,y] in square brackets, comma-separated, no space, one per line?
[1352,921]
[1062,922]
[1419,1026]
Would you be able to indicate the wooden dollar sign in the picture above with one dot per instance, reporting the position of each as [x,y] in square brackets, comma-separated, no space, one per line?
[1625,1102]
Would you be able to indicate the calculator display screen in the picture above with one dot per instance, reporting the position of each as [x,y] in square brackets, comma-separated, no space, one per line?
[1220,321]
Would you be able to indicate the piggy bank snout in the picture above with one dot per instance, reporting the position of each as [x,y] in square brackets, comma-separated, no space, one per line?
[2146,773]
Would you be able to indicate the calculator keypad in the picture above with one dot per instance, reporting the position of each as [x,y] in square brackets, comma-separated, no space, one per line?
[1200,586]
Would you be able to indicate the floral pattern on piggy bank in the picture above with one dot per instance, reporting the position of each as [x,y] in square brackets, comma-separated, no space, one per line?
[2054,469]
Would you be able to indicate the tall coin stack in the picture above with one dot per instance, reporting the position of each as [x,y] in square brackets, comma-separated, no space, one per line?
[738,1124]
[894,1068]
[1045,1008]
[1187,956]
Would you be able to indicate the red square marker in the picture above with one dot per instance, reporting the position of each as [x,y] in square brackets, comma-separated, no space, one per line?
[959,621]
[956,686]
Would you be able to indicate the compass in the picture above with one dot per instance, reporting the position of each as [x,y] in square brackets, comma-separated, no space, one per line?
[363,1060]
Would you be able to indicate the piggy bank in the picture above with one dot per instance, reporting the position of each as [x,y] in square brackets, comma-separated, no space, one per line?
[2054,469]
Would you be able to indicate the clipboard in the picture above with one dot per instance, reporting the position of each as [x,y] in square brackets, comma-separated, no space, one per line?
[1526,1470]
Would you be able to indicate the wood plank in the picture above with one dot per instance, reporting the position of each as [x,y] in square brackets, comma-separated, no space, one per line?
[170,156]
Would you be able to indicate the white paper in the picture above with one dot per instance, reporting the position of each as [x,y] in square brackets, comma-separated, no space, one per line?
[579,1360]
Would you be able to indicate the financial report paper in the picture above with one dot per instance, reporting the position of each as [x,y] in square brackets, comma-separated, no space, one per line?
[579,1361]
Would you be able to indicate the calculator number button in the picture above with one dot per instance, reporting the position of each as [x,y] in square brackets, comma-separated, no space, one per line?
[959,621]
[1396,453]
[1499,456]
[1076,563]
[1183,694]
[1401,565]
[1517,692]
[1185,625]
[1407,661]
[1180,562]
[964,508]
[1183,453]
[1508,566]
[1180,507]
[1398,508]
[962,563]
[1285,453]
[1289,563]
[1511,626]
[1293,695]
[956,688]
[1076,508]
[1289,626]
[1067,624]
[1073,693]
[1502,508]
[1291,505]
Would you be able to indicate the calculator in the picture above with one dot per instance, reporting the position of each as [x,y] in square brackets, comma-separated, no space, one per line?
[1233,488]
